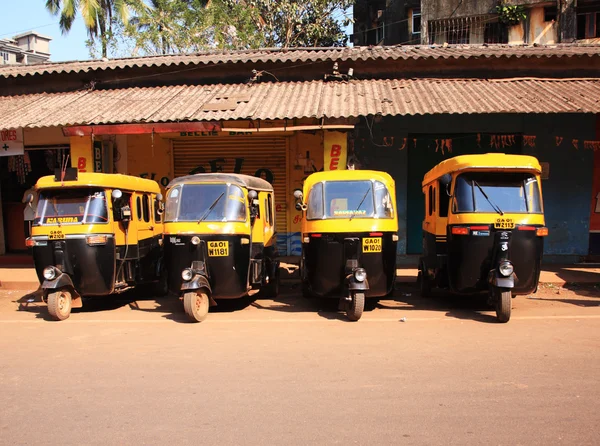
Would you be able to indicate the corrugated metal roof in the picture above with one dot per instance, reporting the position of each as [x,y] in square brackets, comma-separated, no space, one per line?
[315,99]
[279,55]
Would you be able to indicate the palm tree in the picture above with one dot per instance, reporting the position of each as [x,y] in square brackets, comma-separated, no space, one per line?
[97,15]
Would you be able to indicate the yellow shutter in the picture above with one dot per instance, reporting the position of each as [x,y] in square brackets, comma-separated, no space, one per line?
[240,154]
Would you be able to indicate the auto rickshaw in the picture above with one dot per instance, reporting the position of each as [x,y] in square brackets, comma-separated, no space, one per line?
[220,239]
[349,237]
[95,234]
[484,227]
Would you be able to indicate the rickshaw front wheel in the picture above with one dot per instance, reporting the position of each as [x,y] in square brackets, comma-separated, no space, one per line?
[355,307]
[195,304]
[59,304]
[503,303]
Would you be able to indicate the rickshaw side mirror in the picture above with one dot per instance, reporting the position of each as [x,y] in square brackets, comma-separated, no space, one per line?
[298,195]
[252,194]
[445,180]
[29,198]
[116,194]
[159,196]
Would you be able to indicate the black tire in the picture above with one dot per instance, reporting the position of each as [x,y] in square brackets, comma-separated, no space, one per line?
[59,304]
[424,281]
[503,304]
[272,288]
[195,304]
[161,288]
[355,307]
[305,291]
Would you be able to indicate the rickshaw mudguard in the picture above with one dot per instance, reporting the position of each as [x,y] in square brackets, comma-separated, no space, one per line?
[198,281]
[498,280]
[64,280]
[355,285]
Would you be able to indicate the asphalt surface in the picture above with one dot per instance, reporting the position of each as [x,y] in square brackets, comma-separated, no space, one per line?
[291,371]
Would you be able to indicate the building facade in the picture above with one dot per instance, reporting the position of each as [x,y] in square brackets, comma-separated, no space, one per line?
[453,22]
[26,48]
[167,116]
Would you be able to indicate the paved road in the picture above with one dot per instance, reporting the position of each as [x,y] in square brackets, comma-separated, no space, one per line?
[292,372]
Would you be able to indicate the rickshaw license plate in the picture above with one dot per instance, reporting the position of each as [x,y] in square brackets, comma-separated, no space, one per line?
[218,249]
[371,244]
[56,235]
[504,223]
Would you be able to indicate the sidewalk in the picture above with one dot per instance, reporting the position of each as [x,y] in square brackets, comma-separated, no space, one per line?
[15,278]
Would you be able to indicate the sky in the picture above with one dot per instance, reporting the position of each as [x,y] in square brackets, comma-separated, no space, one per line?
[31,15]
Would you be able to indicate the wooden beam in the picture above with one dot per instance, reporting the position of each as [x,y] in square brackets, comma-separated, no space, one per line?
[136,129]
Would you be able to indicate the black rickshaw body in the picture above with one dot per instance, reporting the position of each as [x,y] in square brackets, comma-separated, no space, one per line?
[349,224]
[220,231]
[484,224]
[84,231]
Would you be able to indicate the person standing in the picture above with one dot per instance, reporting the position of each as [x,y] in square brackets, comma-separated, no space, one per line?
[29,210]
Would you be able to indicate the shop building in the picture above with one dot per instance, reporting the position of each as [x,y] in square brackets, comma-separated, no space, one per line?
[282,114]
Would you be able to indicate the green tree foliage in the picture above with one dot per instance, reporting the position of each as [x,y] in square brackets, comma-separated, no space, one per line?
[98,16]
[174,26]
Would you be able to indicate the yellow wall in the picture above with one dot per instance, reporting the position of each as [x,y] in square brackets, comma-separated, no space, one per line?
[148,159]
[544,33]
[299,145]
[47,136]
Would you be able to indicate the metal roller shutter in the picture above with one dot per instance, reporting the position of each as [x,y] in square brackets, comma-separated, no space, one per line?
[240,154]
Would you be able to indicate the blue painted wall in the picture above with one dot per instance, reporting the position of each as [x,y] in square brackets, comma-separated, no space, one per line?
[567,192]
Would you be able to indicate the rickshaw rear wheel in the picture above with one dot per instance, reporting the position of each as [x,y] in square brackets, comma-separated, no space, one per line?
[355,307]
[59,304]
[503,304]
[195,304]
[424,281]
[272,288]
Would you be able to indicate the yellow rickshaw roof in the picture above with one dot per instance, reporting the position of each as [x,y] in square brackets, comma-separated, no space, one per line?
[488,161]
[102,180]
[347,175]
[245,181]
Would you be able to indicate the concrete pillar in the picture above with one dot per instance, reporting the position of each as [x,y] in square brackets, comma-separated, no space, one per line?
[567,21]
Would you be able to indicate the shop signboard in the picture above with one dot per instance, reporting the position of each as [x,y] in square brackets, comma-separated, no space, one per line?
[11,142]
[335,151]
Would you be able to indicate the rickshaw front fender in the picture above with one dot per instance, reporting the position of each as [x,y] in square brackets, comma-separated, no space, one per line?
[355,285]
[64,281]
[198,281]
[498,280]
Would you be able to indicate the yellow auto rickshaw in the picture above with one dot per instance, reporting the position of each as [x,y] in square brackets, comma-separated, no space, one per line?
[220,239]
[95,234]
[484,227]
[349,236]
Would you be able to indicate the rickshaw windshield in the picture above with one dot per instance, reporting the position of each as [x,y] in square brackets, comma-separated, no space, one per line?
[495,192]
[349,199]
[71,206]
[206,202]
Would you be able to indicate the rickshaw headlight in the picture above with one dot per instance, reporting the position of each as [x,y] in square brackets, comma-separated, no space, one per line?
[187,274]
[360,274]
[195,240]
[506,269]
[49,273]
